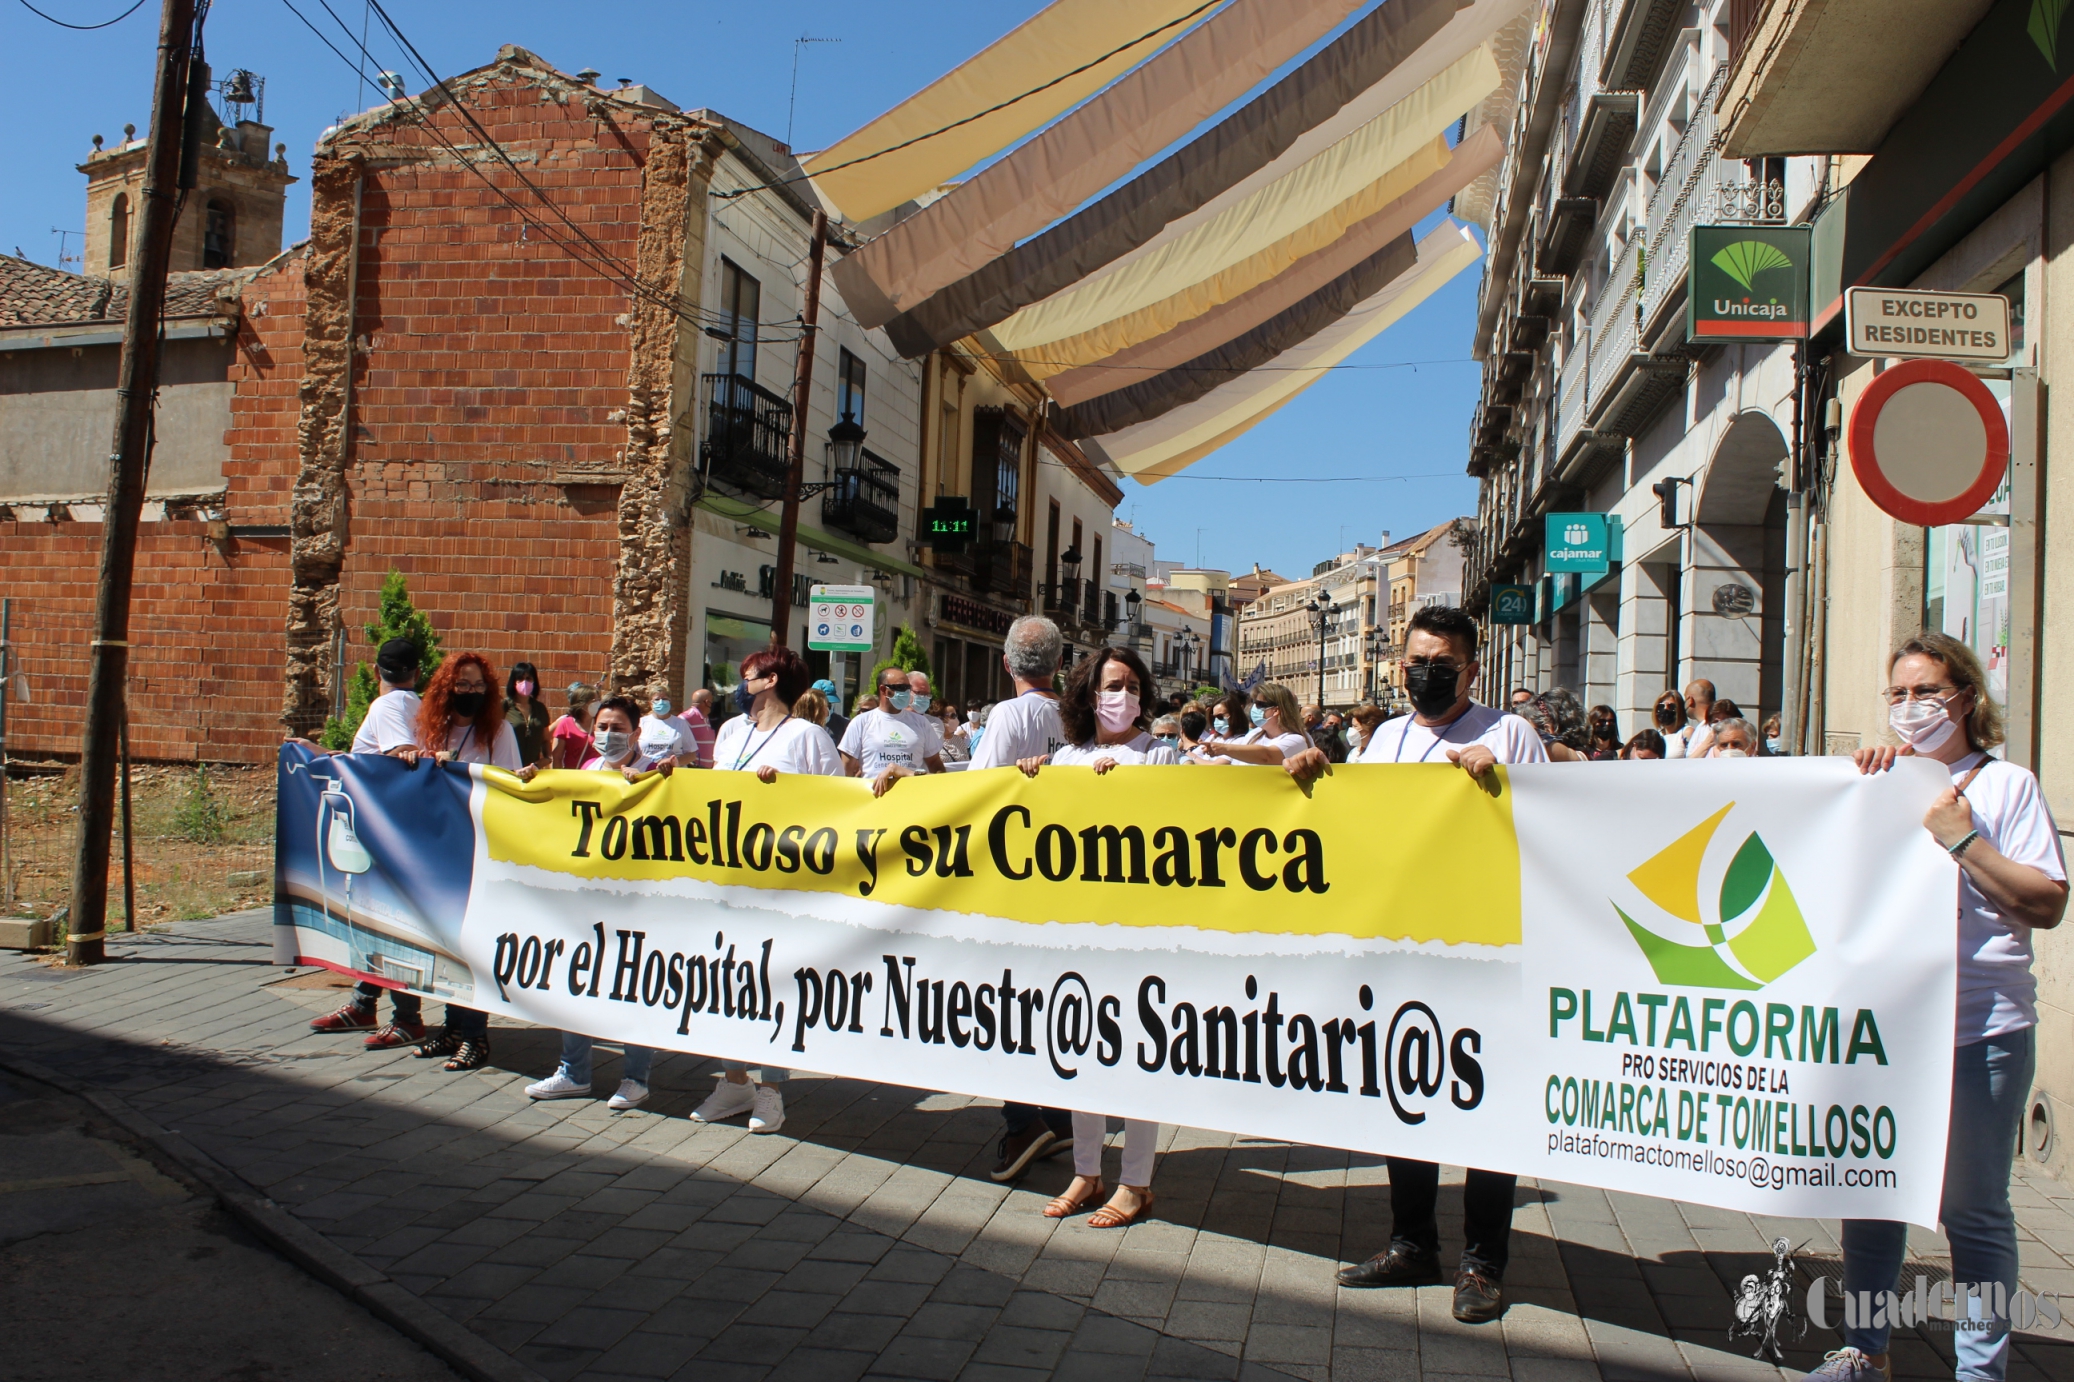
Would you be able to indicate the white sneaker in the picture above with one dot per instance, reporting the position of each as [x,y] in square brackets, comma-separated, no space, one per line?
[630,1094]
[769,1113]
[728,1099]
[558,1086]
[1849,1365]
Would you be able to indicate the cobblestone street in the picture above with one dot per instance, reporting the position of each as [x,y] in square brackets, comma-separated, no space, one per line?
[866,1239]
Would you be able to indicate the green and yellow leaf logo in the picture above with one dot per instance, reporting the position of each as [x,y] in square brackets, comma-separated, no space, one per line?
[2044,28]
[1752,935]
[1745,259]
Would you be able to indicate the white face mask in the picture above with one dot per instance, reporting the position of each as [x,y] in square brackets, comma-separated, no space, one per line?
[1924,726]
[1730,753]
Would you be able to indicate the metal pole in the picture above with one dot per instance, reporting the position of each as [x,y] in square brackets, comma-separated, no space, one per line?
[129,876]
[136,380]
[795,473]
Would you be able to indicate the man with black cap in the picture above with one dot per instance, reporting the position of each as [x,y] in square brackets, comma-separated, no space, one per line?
[1440,667]
[391,723]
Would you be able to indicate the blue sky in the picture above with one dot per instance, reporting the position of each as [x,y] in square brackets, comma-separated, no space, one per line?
[1361,426]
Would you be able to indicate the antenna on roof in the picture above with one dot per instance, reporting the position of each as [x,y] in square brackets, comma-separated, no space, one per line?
[793,100]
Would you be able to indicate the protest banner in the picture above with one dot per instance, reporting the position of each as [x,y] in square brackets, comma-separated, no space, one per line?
[1727,982]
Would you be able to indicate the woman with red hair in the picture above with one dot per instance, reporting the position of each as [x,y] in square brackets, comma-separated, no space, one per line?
[459,721]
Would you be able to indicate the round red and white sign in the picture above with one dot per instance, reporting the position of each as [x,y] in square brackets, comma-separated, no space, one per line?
[1929,443]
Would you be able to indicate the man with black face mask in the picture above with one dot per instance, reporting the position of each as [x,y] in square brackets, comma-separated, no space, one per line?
[1440,667]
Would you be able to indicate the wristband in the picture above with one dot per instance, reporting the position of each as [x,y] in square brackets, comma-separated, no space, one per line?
[1963,845]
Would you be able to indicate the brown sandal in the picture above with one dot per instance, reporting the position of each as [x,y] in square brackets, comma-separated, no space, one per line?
[1109,1216]
[1065,1207]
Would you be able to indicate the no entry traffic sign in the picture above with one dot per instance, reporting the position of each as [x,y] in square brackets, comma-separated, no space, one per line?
[1928,442]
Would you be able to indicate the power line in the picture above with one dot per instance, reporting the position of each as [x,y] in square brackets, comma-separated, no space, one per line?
[83,28]
[981,115]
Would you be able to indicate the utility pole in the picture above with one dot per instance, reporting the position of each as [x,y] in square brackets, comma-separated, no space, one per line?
[180,87]
[795,472]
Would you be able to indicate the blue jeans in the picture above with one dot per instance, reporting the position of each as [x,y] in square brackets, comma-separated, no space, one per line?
[405,1006]
[1990,1080]
[576,1059]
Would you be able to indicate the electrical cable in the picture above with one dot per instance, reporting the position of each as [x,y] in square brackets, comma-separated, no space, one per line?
[980,115]
[83,28]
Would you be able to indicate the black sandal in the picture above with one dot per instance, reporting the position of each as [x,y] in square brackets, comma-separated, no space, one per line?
[433,1048]
[470,1054]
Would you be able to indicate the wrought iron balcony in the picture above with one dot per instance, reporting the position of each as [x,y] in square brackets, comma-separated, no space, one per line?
[1008,569]
[748,430]
[864,501]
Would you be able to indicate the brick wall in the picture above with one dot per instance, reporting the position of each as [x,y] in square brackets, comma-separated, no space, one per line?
[487,434]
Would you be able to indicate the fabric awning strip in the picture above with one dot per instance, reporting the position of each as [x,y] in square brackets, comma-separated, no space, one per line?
[1086,150]
[1197,334]
[1153,474]
[1162,393]
[1057,39]
[1278,209]
[1254,136]
[1442,254]
[1469,29]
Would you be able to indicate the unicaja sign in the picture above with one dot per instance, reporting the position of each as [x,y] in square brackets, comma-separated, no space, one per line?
[1748,283]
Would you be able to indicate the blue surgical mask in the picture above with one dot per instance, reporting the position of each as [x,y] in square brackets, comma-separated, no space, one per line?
[918,701]
[1258,715]
[745,699]
[662,710]
[900,700]
[612,744]
[1771,746]
[1221,725]
[1169,740]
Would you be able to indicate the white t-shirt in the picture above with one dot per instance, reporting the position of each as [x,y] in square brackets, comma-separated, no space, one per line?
[467,747]
[391,723]
[1405,740]
[1674,741]
[1141,749]
[1997,992]
[795,746]
[639,763]
[1026,727]
[878,740]
[1288,744]
[654,732]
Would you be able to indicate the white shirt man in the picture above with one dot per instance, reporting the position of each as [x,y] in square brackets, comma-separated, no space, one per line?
[892,741]
[392,720]
[1440,667]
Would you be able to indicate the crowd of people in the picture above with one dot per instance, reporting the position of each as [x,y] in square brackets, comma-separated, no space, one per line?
[1105,714]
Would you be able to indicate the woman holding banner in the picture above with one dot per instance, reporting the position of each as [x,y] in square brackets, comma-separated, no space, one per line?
[767,740]
[2012,881]
[613,724]
[1104,720]
[459,721]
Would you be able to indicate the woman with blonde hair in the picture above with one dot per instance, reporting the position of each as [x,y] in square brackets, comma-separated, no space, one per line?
[1993,820]
[1277,729]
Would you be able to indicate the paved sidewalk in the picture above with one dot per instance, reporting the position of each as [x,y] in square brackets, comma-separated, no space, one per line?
[865,1239]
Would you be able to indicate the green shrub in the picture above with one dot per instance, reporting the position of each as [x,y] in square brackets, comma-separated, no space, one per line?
[202,816]
[396,617]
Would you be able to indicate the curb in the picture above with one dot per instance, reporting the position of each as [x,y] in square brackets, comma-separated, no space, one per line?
[460,1347]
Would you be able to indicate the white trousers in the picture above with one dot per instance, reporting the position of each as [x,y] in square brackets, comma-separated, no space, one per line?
[1140,1140]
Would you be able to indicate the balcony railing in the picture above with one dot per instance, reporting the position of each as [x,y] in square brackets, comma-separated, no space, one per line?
[864,501]
[748,430]
[1008,567]
[1682,196]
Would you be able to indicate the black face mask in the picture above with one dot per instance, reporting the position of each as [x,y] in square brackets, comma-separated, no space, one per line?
[745,700]
[1667,716]
[467,704]
[1432,689]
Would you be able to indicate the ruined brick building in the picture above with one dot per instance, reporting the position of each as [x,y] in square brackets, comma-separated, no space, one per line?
[537,355]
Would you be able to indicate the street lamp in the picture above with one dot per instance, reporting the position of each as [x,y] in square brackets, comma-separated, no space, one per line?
[1188,642]
[1132,603]
[1068,592]
[845,441]
[1320,609]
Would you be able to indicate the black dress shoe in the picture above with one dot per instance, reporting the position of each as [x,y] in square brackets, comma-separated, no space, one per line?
[1479,1299]
[1398,1266]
